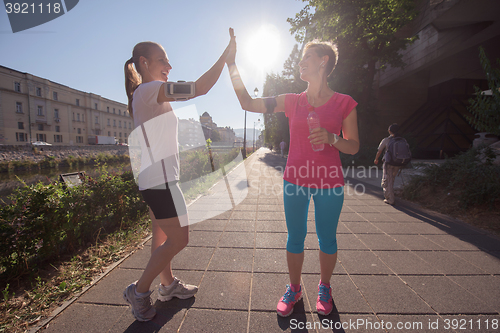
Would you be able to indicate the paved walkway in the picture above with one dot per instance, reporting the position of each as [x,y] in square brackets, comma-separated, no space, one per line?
[402,266]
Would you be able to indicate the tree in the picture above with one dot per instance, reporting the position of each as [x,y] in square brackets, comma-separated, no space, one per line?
[485,108]
[365,34]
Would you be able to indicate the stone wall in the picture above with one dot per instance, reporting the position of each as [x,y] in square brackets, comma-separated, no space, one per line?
[17,152]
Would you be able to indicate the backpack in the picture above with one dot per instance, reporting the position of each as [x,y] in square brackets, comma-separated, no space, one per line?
[398,152]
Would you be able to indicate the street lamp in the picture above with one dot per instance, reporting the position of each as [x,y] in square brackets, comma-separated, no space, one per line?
[258,121]
[256,92]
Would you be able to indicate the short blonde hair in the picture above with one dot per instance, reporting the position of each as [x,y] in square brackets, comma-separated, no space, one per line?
[322,49]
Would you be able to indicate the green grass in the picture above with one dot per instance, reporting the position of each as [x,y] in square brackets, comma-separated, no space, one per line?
[37,295]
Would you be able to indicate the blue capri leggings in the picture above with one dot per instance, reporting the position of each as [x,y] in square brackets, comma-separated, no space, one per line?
[327,206]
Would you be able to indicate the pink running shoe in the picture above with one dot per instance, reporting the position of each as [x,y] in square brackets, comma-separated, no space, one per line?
[286,303]
[324,305]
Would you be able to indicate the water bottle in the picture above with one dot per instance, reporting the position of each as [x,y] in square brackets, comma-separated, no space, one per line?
[313,122]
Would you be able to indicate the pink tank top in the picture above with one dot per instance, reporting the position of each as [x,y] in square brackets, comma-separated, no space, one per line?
[306,167]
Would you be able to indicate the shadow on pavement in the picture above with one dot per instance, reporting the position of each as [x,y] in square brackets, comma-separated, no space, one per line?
[296,321]
[165,311]
[480,238]
[332,321]
[274,160]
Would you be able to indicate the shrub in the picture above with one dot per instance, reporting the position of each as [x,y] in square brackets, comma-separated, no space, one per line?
[471,176]
[46,221]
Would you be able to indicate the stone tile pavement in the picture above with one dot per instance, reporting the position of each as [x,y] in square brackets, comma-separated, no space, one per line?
[400,269]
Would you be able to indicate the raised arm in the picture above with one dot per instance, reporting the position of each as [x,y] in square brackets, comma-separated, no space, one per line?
[207,80]
[246,101]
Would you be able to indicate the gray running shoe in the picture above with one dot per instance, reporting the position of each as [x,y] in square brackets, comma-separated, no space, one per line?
[142,309]
[179,290]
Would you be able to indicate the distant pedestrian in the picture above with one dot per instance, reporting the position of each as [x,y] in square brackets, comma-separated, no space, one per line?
[392,164]
[282,148]
[145,75]
[313,166]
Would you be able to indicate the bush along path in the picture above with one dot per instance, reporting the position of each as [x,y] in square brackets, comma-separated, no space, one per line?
[466,186]
[69,161]
[54,239]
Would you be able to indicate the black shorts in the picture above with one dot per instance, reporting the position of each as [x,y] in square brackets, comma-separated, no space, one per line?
[166,201]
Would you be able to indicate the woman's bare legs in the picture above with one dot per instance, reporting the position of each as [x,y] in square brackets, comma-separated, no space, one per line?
[169,238]
[295,261]
[327,264]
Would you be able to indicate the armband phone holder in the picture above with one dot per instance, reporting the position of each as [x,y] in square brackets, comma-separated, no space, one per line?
[180,90]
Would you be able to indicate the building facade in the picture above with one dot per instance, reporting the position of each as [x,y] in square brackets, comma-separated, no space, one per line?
[36,109]
[429,96]
[226,134]
[190,133]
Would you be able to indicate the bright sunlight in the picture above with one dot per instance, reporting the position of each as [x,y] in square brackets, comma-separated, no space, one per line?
[263,46]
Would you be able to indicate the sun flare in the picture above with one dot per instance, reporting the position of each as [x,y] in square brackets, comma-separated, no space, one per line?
[263,46]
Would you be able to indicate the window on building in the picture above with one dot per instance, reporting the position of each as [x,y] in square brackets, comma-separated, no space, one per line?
[20,125]
[73,116]
[77,102]
[56,113]
[114,111]
[97,120]
[109,133]
[58,129]
[120,124]
[79,139]
[115,135]
[54,95]
[19,107]
[83,117]
[129,125]
[41,137]
[58,138]
[119,112]
[79,130]
[39,91]
[17,86]
[95,106]
[40,110]
[21,137]
[114,123]
[77,117]
[109,122]
[40,127]
[107,109]
[120,134]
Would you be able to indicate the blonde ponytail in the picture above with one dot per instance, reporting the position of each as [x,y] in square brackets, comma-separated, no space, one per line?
[132,81]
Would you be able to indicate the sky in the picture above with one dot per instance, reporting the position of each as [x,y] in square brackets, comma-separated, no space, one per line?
[87,47]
